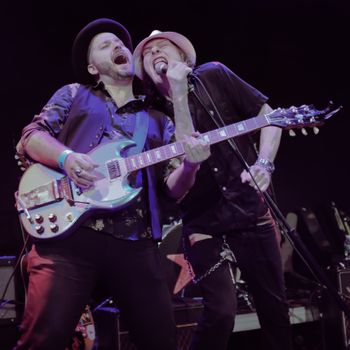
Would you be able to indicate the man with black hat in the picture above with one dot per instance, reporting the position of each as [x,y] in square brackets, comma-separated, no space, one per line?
[118,248]
[225,220]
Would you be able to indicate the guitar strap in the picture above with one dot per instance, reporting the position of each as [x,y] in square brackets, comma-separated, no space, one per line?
[139,137]
[140,132]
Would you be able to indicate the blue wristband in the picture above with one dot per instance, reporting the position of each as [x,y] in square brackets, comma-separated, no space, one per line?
[62,157]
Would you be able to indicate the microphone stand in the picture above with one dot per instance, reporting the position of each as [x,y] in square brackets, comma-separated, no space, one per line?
[290,233]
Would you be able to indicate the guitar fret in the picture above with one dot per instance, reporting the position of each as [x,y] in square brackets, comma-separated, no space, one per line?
[127,163]
[133,162]
[237,130]
[173,149]
[212,136]
[140,160]
[206,137]
[148,157]
[232,131]
[251,123]
[157,154]
[166,152]
[241,127]
[222,132]
[180,148]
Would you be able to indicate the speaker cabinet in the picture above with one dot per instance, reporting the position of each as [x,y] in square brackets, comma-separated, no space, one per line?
[186,313]
[113,335]
[8,313]
[343,277]
[337,325]
[315,237]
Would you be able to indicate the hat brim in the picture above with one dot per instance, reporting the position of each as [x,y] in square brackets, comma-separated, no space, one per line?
[178,39]
[82,42]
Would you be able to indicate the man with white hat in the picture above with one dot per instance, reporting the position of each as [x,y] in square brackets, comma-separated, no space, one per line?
[225,220]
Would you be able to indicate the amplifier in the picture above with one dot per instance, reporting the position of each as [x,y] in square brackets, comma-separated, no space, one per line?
[8,313]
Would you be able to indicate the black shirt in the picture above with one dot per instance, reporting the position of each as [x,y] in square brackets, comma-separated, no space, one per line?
[219,202]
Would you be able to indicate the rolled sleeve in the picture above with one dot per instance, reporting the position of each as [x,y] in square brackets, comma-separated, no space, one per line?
[54,114]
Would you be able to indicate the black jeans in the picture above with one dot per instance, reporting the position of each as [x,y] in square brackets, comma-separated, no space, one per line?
[62,275]
[258,258]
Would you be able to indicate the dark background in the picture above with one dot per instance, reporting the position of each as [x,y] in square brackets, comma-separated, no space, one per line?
[296,52]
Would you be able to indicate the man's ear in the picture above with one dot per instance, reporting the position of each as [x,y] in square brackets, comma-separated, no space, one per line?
[92,69]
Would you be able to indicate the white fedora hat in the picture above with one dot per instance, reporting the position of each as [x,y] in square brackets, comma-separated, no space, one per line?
[178,39]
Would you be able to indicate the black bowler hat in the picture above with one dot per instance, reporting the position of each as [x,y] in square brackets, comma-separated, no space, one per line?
[82,42]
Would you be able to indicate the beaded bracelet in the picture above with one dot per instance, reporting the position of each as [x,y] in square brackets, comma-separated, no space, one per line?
[62,157]
[266,164]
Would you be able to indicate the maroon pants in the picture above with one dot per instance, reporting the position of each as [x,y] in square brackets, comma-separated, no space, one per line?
[63,274]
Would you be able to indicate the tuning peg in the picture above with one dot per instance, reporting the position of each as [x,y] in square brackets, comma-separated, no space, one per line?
[292,133]
[304,132]
[316,130]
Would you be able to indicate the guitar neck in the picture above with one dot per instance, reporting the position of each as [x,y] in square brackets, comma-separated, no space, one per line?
[160,154]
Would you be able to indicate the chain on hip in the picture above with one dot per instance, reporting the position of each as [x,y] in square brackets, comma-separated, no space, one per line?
[226,255]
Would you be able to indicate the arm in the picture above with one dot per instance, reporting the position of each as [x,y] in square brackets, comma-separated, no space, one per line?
[183,177]
[39,137]
[44,148]
[177,76]
[270,138]
[182,116]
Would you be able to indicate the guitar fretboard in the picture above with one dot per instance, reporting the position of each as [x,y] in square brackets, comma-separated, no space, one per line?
[176,149]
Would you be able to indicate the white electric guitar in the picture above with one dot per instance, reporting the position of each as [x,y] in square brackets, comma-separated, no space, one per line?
[50,205]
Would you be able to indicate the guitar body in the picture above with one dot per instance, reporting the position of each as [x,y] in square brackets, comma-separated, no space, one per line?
[56,206]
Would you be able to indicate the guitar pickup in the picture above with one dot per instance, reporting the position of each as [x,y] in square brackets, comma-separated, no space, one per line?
[113,169]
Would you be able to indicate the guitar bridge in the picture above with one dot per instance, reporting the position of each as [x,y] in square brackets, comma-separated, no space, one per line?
[48,193]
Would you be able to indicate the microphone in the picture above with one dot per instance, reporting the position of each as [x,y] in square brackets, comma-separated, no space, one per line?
[161,68]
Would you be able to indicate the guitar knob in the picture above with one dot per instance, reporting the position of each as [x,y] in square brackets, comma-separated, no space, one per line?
[316,130]
[38,218]
[69,217]
[52,217]
[304,132]
[78,191]
[39,229]
[54,227]
[292,133]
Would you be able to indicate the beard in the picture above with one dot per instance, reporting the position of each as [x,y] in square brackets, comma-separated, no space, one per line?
[125,73]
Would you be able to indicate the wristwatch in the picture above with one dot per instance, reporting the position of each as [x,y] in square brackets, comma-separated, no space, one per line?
[266,164]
